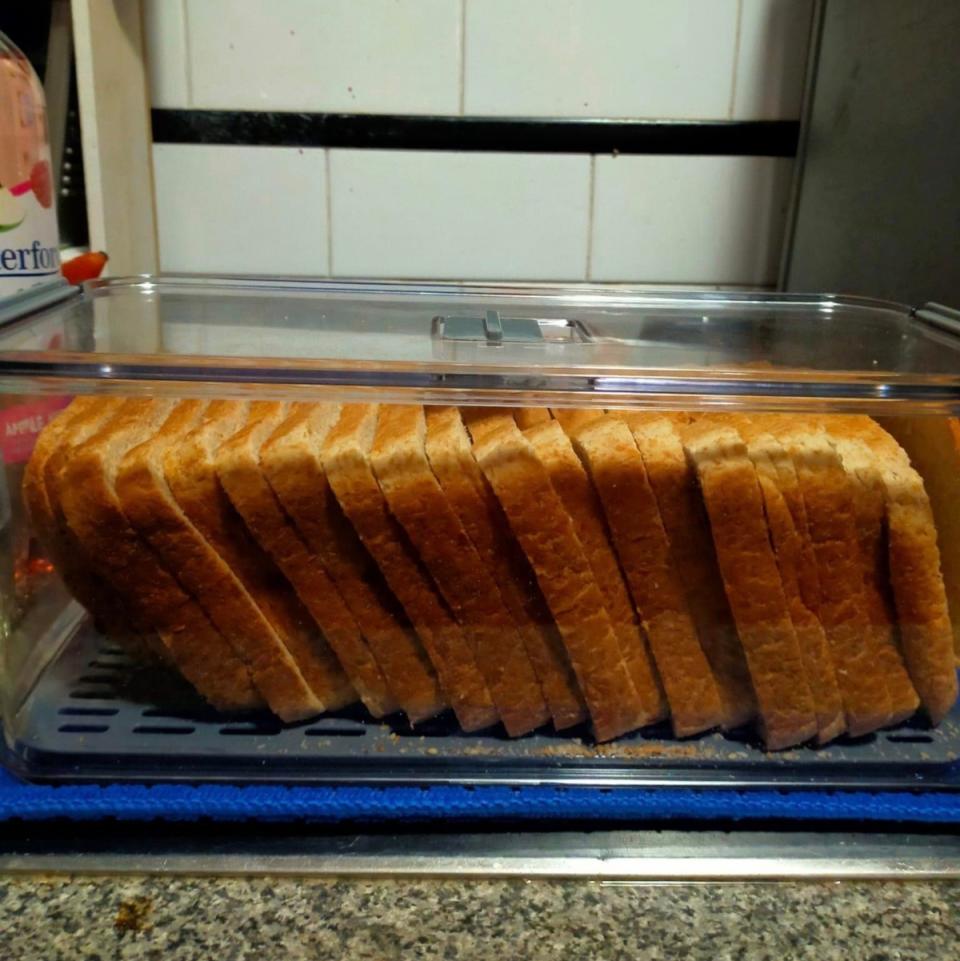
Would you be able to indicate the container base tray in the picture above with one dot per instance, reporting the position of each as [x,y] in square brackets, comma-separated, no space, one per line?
[95,715]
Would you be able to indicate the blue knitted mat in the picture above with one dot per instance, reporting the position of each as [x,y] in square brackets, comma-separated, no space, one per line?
[185,802]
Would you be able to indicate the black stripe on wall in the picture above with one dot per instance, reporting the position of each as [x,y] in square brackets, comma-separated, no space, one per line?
[771,138]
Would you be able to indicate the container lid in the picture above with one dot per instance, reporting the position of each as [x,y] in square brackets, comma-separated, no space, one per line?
[504,344]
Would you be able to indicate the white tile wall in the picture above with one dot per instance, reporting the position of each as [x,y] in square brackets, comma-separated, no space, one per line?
[457,215]
[600,58]
[774,40]
[387,56]
[689,219]
[165,29]
[619,58]
[712,220]
[254,210]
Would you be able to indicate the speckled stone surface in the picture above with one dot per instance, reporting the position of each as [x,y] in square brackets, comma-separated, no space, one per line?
[176,918]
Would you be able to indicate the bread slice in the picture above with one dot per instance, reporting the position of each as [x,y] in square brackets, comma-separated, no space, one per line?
[530,416]
[573,485]
[933,446]
[415,498]
[238,467]
[74,424]
[191,472]
[831,513]
[674,483]
[918,588]
[481,421]
[118,553]
[346,460]
[571,419]
[290,458]
[765,452]
[788,484]
[469,494]
[616,467]
[869,500]
[547,536]
[752,579]
[149,504]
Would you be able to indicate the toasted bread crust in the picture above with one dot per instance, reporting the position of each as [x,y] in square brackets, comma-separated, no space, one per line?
[616,467]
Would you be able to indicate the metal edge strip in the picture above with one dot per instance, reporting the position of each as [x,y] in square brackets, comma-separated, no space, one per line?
[641,856]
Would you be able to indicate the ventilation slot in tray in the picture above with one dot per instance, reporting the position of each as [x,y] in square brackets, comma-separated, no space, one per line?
[96,713]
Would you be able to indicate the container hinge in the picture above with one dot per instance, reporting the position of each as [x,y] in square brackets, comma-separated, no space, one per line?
[937,315]
[490,328]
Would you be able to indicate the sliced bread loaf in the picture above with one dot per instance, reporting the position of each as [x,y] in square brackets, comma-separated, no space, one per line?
[117,552]
[765,451]
[922,612]
[469,494]
[674,483]
[869,499]
[291,461]
[545,532]
[416,499]
[933,446]
[829,503]
[572,483]
[191,472]
[734,502]
[346,460]
[150,506]
[79,420]
[607,448]
[336,663]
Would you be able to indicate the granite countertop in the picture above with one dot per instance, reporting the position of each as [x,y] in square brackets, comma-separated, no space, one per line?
[175,918]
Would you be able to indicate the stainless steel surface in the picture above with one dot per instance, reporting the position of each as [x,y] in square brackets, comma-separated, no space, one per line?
[879,191]
[608,855]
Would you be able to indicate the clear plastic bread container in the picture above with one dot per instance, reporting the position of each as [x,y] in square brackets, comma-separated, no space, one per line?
[424,533]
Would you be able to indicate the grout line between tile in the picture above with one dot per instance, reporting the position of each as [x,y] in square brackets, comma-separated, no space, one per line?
[463,54]
[187,68]
[590,201]
[329,193]
[736,60]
